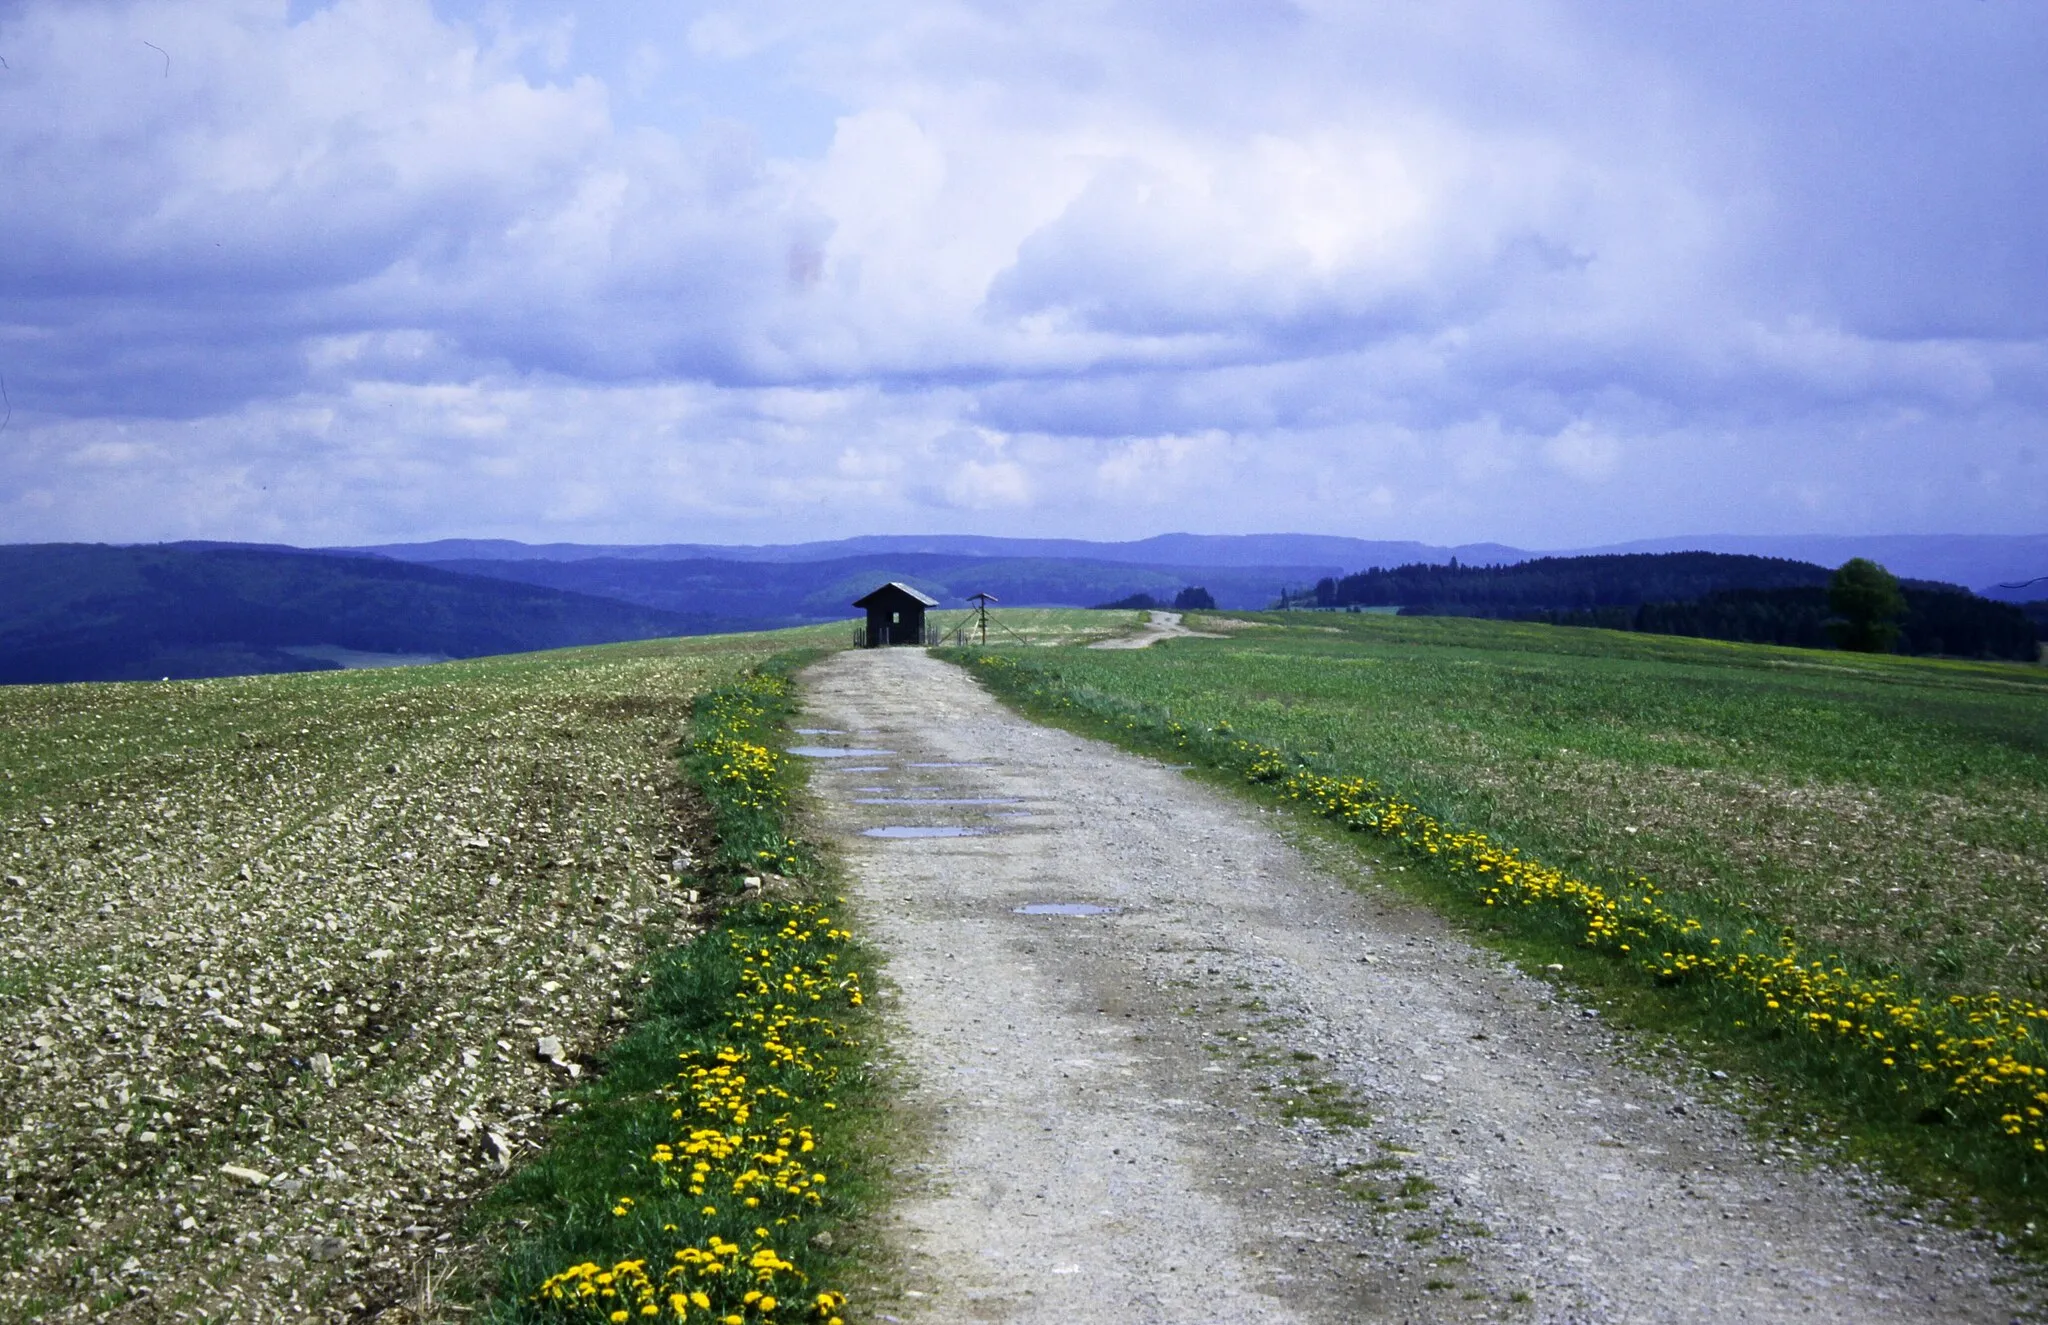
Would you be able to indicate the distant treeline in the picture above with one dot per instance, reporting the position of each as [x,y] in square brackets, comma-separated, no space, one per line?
[1759,600]
[1564,584]
[1937,620]
[1191,599]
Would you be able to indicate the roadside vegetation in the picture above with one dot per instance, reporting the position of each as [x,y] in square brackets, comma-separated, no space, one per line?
[703,1173]
[1039,626]
[296,967]
[1830,864]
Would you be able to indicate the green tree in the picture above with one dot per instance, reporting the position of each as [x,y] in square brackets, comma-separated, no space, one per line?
[1867,605]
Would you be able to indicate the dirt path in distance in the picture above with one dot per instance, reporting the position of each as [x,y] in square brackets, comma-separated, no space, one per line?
[1163,625]
[1253,1092]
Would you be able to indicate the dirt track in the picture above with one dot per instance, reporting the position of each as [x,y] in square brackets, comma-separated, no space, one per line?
[1152,1115]
[1158,626]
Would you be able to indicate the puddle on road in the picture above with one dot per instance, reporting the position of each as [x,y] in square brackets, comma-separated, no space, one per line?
[927,830]
[836,752]
[817,731]
[934,800]
[947,765]
[863,768]
[1066,909]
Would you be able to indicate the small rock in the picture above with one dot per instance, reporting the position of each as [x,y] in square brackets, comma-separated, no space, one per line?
[378,955]
[323,1067]
[327,1249]
[821,1240]
[152,997]
[752,883]
[390,768]
[272,1031]
[254,1177]
[548,1048]
[16,881]
[1719,1075]
[499,1148]
[1554,966]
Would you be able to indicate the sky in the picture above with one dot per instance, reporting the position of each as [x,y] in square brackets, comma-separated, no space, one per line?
[1551,273]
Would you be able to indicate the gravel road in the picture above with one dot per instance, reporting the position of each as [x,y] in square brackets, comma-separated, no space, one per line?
[1263,1087]
[1158,626]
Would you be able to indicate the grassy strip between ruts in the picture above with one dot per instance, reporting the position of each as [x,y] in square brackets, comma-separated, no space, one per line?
[695,1179]
[1972,1068]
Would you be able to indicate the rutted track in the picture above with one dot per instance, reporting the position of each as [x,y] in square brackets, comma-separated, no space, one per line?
[1148,1115]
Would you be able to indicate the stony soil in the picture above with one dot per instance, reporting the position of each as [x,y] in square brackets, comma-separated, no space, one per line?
[1265,1088]
[280,953]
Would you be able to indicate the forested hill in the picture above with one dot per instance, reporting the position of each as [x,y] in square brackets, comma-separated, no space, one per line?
[1758,600]
[1552,584]
[89,612]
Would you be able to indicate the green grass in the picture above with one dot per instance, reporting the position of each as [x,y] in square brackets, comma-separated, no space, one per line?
[1896,808]
[605,1193]
[1893,810]
[566,1208]
[1040,626]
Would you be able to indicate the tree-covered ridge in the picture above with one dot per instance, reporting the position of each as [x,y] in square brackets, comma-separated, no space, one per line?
[1553,584]
[1707,595]
[1937,621]
[89,612]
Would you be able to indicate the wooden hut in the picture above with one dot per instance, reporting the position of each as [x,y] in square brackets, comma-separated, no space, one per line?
[895,615]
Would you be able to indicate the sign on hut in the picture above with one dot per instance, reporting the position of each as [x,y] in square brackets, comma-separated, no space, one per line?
[895,615]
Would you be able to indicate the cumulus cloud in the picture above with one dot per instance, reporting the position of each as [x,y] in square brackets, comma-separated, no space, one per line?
[1553,272]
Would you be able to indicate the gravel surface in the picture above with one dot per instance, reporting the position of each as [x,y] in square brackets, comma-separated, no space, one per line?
[1158,626]
[295,966]
[1264,1087]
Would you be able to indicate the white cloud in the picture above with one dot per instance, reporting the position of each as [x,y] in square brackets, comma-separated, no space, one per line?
[1584,453]
[1467,270]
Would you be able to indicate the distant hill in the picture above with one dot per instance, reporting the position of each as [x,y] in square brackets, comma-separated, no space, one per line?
[790,593]
[90,612]
[1321,553]
[1940,619]
[1553,584]
[1759,600]
[1978,561]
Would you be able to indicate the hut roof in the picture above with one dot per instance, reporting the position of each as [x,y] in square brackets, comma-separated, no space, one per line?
[882,595]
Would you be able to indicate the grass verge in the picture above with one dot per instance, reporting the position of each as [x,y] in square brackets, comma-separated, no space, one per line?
[1949,1089]
[701,1175]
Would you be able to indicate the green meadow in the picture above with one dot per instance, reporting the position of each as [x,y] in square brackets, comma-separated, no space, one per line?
[1880,817]
[1894,808]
